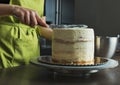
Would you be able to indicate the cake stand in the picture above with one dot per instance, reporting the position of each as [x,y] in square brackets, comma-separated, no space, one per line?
[99,64]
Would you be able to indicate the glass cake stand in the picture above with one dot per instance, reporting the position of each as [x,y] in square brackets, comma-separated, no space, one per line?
[99,64]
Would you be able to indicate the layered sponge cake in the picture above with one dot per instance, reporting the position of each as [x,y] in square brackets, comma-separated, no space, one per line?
[73,46]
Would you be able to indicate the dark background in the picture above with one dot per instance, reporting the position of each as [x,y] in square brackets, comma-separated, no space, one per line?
[4,1]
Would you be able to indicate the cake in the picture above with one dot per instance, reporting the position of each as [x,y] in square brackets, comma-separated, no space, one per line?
[73,46]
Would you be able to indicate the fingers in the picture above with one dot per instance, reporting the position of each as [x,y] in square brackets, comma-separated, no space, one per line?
[41,21]
[33,20]
[19,14]
[22,19]
[29,17]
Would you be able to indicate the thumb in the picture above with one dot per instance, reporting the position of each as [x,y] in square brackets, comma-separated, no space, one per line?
[41,22]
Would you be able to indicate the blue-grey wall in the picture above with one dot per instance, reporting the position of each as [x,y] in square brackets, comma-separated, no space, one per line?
[50,10]
[102,15]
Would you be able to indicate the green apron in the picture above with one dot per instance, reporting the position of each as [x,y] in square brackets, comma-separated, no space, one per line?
[19,42]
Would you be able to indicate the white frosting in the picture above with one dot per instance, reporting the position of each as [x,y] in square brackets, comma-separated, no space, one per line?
[74,44]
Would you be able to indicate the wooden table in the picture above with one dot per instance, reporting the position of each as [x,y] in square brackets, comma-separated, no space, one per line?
[33,75]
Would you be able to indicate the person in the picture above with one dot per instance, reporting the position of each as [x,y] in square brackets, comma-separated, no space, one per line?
[21,24]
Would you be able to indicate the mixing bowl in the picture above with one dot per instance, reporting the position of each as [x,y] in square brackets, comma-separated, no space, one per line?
[105,46]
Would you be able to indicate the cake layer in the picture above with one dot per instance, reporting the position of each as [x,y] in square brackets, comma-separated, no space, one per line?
[73,35]
[72,56]
[57,46]
[69,62]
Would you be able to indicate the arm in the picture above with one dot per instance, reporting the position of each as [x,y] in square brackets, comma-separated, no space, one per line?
[26,16]
[6,9]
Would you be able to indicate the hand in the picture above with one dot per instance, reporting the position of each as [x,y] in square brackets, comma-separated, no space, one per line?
[28,16]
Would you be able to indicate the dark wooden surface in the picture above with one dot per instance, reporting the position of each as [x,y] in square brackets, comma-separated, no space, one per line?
[34,75]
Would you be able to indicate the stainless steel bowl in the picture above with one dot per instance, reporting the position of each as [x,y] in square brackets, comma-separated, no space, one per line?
[105,46]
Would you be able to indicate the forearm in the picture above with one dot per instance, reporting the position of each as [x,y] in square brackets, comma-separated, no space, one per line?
[6,9]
